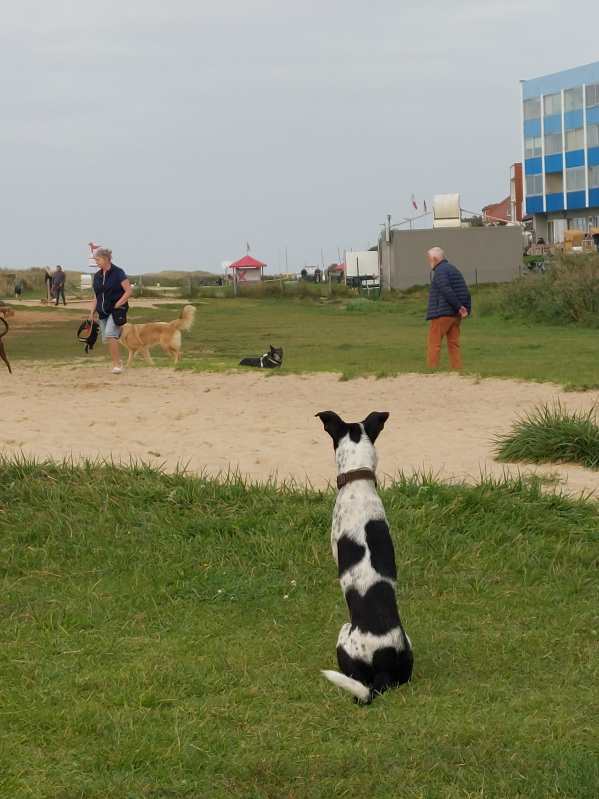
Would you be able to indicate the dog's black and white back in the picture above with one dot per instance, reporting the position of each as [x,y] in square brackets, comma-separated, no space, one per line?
[270,360]
[373,650]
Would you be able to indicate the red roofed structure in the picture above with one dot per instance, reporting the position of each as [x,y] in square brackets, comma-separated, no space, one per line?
[248,270]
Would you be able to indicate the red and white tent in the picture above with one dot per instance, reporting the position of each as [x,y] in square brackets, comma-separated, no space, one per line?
[248,270]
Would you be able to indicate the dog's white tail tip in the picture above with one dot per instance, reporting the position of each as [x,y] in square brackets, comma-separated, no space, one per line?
[358,689]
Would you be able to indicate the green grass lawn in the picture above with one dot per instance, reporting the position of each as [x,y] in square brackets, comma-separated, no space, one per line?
[162,636]
[355,338]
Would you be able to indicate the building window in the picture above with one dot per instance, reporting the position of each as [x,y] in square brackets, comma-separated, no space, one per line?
[593,177]
[593,136]
[592,95]
[577,223]
[574,139]
[532,108]
[534,185]
[573,99]
[575,179]
[533,147]
[552,104]
[553,143]
[554,182]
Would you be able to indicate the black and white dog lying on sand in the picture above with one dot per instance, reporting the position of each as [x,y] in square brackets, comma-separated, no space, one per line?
[373,650]
[270,360]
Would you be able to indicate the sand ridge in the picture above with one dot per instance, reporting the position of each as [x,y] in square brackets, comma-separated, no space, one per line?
[263,426]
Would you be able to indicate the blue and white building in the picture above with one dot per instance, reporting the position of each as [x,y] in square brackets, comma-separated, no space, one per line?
[560,123]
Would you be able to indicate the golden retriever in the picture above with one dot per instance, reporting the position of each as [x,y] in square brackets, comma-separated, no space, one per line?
[139,338]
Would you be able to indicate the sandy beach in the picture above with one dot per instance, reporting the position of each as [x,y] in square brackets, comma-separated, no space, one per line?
[263,426]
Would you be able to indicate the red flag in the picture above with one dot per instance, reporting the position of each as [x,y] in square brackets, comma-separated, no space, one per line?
[414,202]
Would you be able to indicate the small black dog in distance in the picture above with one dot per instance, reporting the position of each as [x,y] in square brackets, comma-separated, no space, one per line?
[373,650]
[270,360]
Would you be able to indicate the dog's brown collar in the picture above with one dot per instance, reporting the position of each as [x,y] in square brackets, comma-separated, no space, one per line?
[355,474]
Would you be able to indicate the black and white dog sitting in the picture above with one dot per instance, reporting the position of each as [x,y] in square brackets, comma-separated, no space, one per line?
[270,360]
[373,650]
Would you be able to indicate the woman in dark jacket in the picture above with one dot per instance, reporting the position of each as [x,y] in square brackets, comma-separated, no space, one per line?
[449,302]
[112,289]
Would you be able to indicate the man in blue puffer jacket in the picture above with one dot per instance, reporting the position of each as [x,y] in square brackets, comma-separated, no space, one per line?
[449,302]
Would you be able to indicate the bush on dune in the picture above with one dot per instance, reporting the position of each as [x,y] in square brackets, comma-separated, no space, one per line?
[566,294]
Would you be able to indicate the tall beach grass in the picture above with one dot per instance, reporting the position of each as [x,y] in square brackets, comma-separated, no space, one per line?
[566,294]
[550,434]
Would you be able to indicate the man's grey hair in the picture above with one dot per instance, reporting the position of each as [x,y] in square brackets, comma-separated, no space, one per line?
[436,253]
[103,252]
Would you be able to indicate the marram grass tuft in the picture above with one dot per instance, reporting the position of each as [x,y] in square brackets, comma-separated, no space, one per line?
[552,435]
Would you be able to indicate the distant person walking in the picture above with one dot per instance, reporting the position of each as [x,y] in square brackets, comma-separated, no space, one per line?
[18,285]
[48,283]
[112,289]
[449,302]
[58,280]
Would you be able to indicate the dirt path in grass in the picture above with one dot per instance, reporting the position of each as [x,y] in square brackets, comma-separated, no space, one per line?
[263,425]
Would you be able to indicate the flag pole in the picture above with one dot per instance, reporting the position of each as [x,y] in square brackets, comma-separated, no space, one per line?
[414,208]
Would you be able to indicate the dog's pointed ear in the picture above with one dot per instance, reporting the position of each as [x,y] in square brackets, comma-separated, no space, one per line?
[334,425]
[374,423]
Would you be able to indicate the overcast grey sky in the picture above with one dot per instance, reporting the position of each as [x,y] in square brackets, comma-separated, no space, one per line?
[177,131]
